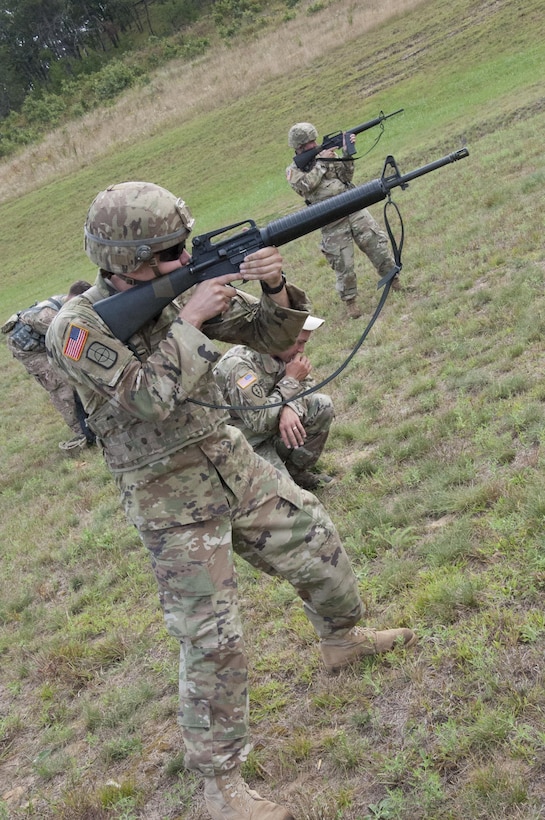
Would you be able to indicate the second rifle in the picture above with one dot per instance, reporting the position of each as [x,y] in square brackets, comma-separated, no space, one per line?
[340,139]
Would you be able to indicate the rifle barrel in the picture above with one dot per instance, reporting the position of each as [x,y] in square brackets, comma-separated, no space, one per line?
[359,129]
[425,169]
[290,227]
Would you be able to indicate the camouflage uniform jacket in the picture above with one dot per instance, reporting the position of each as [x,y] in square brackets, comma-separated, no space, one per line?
[248,378]
[324,180]
[136,395]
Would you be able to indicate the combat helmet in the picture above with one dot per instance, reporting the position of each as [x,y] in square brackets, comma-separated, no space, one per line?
[301,133]
[128,223]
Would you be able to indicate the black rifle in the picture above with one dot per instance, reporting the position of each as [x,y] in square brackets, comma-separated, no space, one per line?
[126,312]
[340,139]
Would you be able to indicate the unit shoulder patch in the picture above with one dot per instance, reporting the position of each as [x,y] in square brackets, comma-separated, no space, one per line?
[102,355]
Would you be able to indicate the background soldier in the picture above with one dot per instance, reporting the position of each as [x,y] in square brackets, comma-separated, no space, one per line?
[192,484]
[291,436]
[26,341]
[326,176]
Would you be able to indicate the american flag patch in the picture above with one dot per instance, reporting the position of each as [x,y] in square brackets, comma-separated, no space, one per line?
[75,342]
[247,380]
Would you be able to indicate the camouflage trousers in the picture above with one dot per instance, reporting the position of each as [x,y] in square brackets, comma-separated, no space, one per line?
[317,421]
[60,393]
[338,248]
[258,513]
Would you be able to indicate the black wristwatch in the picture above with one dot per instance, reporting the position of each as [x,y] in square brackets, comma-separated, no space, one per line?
[266,289]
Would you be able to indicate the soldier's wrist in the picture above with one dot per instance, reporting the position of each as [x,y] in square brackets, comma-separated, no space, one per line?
[276,289]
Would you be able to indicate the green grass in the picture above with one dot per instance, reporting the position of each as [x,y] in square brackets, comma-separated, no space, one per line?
[436,447]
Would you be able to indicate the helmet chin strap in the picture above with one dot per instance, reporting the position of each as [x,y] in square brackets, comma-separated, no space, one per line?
[154,265]
[130,280]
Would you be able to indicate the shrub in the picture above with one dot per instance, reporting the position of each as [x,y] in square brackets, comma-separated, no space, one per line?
[113,79]
[45,111]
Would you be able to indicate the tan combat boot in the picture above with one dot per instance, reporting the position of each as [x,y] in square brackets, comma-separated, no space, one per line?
[342,650]
[352,309]
[228,797]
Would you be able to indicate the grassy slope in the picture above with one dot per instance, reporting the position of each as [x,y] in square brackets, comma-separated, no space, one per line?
[437,446]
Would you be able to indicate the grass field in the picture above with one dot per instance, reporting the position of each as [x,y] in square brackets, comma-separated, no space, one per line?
[437,450]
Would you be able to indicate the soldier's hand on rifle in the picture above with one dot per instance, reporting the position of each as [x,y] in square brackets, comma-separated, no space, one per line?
[327,153]
[265,265]
[209,299]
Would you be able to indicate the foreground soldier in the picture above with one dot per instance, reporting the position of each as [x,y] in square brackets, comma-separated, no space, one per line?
[291,436]
[192,484]
[26,341]
[326,177]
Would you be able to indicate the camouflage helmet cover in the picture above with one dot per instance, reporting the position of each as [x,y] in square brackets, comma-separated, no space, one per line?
[301,133]
[128,223]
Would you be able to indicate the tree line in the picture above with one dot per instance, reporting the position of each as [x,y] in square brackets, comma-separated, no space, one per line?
[43,42]
[62,58]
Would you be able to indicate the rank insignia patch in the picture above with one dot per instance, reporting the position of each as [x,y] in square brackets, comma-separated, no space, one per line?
[246,381]
[75,342]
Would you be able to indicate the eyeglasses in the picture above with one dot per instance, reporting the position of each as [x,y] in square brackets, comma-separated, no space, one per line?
[173,253]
